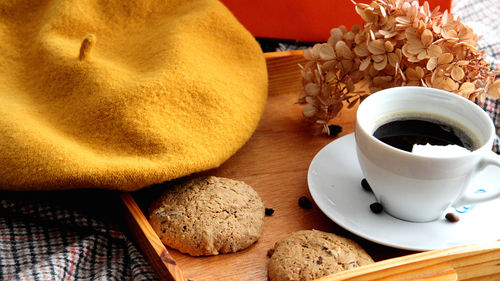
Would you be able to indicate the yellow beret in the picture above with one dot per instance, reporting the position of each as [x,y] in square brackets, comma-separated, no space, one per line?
[123,94]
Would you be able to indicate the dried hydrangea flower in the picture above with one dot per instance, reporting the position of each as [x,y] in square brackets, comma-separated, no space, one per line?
[401,43]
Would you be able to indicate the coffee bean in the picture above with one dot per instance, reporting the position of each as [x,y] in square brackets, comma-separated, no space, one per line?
[376,207]
[365,185]
[270,252]
[269,211]
[305,203]
[334,130]
[452,217]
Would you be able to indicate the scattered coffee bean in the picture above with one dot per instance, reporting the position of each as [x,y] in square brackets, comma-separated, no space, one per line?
[334,130]
[305,203]
[270,252]
[452,217]
[365,185]
[376,207]
[269,211]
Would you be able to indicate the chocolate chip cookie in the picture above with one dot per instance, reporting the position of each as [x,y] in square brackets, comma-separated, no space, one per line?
[311,254]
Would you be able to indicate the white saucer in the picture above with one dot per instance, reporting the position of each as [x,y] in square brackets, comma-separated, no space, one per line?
[334,179]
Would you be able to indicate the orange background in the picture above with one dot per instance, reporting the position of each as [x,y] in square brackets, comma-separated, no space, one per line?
[303,20]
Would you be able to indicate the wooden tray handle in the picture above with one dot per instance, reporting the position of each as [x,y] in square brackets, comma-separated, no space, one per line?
[161,261]
[470,262]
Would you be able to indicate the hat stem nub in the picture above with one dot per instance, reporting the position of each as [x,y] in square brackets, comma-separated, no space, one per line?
[87,44]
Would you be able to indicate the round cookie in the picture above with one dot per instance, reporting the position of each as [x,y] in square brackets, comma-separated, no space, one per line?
[208,216]
[311,254]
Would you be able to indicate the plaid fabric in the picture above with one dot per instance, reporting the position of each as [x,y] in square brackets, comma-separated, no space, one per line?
[43,238]
[492,107]
[484,18]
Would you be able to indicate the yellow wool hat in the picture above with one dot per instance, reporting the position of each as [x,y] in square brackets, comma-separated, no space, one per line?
[123,94]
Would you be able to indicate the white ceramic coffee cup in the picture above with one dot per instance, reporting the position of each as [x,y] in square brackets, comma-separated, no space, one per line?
[420,188]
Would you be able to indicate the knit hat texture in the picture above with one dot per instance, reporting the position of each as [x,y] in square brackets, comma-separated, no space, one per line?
[123,94]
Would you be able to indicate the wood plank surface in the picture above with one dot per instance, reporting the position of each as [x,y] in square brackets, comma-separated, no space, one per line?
[274,162]
[152,247]
[468,262]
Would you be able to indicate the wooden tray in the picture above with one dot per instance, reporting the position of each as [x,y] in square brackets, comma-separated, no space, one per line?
[275,162]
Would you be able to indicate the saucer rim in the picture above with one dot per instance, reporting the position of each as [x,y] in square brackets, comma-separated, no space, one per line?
[315,193]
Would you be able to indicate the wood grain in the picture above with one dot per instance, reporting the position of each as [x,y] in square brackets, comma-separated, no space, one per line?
[284,72]
[274,162]
[159,257]
[469,262]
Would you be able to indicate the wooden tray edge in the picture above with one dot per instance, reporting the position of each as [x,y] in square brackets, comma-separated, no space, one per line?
[474,262]
[469,262]
[149,242]
[285,78]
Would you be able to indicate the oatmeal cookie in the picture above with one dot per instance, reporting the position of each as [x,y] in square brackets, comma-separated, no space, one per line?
[311,254]
[208,216]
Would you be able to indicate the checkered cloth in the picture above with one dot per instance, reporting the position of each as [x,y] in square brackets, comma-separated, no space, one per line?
[42,238]
[483,17]
[55,236]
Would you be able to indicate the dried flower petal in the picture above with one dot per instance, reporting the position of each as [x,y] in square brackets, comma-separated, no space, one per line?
[311,89]
[401,43]
[309,110]
[364,64]
[361,50]
[308,54]
[326,52]
[387,34]
[403,20]
[494,89]
[457,73]
[415,47]
[378,58]
[434,51]
[346,65]
[343,50]
[445,58]
[448,84]
[311,100]
[328,66]
[412,35]
[379,80]
[388,46]
[450,35]
[467,88]
[432,63]
[414,74]
[420,72]
[381,64]
[376,47]
[393,59]
[426,37]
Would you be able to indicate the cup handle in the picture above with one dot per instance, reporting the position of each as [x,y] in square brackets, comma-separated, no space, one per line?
[490,159]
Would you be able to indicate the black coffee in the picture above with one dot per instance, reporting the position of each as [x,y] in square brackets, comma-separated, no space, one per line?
[405,133]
